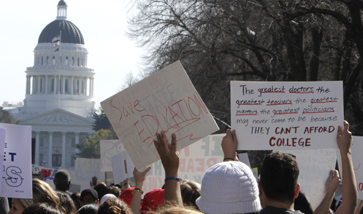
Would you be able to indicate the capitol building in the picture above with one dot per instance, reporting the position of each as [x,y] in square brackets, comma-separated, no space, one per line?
[59,94]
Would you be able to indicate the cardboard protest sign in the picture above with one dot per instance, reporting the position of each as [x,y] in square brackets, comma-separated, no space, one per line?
[286,115]
[165,101]
[17,174]
[314,166]
[195,159]
[108,149]
[118,168]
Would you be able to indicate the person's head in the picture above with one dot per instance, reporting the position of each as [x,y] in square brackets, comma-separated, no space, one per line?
[89,196]
[302,203]
[278,179]
[66,204]
[152,200]
[101,189]
[113,206]
[190,191]
[41,209]
[43,193]
[19,205]
[88,209]
[114,190]
[62,180]
[76,197]
[229,187]
[106,197]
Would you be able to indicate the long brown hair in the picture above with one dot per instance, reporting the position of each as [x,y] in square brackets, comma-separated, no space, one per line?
[43,193]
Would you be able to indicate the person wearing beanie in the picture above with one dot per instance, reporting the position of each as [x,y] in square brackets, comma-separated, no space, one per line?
[229,187]
[19,205]
[106,197]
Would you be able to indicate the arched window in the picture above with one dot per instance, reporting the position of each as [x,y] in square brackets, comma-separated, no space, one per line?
[66,60]
[42,60]
[77,86]
[47,60]
[72,60]
[60,86]
[53,60]
[78,62]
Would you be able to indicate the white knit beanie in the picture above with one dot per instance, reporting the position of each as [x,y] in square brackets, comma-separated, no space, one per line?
[229,187]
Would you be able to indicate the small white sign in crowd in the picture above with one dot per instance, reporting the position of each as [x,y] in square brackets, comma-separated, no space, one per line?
[300,118]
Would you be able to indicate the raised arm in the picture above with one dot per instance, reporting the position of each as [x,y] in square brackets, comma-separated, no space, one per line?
[331,186]
[229,146]
[137,192]
[349,187]
[170,160]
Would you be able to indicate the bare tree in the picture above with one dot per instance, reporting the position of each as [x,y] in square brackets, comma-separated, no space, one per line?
[275,40]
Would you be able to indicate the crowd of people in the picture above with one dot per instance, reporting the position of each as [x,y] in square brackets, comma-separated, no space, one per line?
[226,187]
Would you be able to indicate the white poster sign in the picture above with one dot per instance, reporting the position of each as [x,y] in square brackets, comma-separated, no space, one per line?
[108,149]
[118,168]
[86,168]
[17,169]
[286,115]
[195,159]
[2,147]
[314,166]
[243,157]
[357,150]
[165,101]
[129,165]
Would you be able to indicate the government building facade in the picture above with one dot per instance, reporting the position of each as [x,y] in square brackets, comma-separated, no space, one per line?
[59,94]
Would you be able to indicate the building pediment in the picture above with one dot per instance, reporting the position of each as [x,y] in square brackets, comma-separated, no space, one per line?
[57,117]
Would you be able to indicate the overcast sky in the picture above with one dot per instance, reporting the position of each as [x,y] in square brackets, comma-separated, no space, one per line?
[103,24]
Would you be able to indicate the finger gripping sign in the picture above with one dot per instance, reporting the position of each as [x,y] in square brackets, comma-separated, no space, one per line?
[286,115]
[17,169]
[165,101]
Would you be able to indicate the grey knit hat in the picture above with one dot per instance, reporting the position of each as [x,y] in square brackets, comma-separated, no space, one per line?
[229,187]
[26,202]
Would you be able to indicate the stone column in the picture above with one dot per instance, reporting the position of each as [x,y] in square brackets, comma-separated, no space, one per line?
[63,149]
[46,84]
[37,141]
[71,84]
[33,85]
[38,90]
[85,86]
[91,86]
[77,142]
[27,84]
[50,149]
[55,84]
[63,84]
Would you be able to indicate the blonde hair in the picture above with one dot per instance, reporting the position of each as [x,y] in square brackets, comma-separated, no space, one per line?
[174,209]
[43,193]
